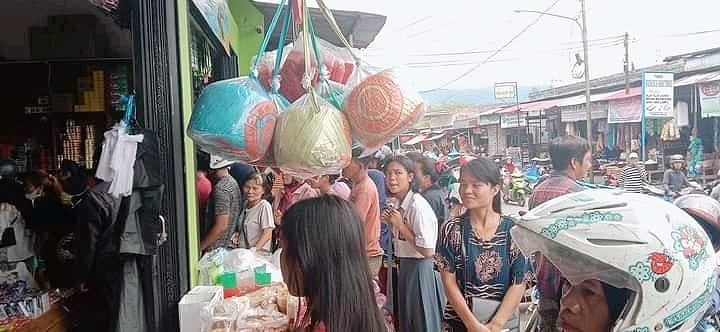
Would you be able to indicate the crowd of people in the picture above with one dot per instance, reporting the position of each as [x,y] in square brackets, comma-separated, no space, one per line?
[392,223]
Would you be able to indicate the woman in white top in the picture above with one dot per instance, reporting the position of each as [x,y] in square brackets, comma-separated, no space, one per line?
[254,231]
[419,289]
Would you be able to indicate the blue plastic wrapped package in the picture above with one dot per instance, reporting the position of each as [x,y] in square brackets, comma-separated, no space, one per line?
[234,119]
[312,138]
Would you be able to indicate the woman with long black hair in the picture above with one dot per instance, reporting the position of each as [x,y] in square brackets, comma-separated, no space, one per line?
[414,227]
[323,260]
[483,271]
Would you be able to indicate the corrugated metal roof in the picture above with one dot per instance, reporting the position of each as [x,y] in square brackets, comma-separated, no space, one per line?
[415,140]
[698,78]
[363,27]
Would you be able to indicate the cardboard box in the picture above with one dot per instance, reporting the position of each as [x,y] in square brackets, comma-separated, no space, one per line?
[193,302]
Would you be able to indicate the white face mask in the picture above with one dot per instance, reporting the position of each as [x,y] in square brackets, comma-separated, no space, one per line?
[32,196]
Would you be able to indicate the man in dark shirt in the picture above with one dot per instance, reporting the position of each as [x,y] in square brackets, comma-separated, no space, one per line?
[674,179]
[426,177]
[571,159]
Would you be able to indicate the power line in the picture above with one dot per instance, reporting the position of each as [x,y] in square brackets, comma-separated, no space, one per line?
[468,72]
[579,47]
[414,23]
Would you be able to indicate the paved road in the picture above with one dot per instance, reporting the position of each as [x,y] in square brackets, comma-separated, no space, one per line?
[512,210]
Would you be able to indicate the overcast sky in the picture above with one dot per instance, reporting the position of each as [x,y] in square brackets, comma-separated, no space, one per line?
[417,32]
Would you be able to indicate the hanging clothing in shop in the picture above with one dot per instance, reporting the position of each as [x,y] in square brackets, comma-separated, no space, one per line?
[143,231]
[117,160]
[682,118]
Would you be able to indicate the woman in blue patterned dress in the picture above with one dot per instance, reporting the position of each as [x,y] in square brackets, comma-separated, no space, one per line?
[483,272]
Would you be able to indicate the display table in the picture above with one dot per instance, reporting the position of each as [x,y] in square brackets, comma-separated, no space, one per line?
[55,320]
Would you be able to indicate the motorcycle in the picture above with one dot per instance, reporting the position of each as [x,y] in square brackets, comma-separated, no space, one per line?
[518,190]
[694,188]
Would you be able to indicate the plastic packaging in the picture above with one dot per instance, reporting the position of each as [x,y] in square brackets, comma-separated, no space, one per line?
[336,60]
[222,317]
[234,119]
[211,266]
[312,138]
[380,106]
[262,320]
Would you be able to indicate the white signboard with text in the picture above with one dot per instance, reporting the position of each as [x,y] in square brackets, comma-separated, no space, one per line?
[658,95]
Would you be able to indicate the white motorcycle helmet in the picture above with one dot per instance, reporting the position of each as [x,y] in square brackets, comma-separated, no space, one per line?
[632,241]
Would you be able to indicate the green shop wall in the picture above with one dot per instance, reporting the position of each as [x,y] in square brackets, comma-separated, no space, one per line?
[245,41]
[245,38]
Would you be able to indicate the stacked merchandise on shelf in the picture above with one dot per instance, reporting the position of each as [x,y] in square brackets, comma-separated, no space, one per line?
[118,86]
[91,92]
[89,146]
[72,142]
[22,157]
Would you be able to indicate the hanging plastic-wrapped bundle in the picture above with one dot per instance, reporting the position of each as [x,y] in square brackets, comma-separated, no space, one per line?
[329,90]
[312,137]
[281,103]
[235,118]
[379,105]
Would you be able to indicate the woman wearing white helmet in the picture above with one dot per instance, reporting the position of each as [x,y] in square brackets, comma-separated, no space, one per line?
[706,212]
[631,262]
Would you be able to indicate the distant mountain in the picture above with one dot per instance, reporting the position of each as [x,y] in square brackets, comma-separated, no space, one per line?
[473,97]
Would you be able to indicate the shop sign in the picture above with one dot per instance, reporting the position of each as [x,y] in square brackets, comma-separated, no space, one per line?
[217,16]
[579,112]
[480,131]
[506,90]
[513,120]
[624,110]
[488,120]
[658,95]
[710,99]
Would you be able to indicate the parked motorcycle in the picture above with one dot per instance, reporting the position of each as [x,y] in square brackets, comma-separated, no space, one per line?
[518,191]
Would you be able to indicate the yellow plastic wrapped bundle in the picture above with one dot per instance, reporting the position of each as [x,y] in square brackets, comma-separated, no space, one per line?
[312,137]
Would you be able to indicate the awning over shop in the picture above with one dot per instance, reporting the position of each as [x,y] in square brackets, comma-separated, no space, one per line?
[580,99]
[432,138]
[535,106]
[360,28]
[415,140]
[620,94]
[698,78]
[441,121]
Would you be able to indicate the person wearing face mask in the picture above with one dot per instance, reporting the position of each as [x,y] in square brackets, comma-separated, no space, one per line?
[629,262]
[54,225]
[414,228]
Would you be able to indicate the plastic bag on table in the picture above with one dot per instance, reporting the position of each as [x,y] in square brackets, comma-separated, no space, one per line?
[262,320]
[244,259]
[234,119]
[379,106]
[211,266]
[222,317]
[312,138]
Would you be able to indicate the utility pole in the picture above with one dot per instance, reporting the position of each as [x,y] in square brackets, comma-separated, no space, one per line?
[587,84]
[627,63]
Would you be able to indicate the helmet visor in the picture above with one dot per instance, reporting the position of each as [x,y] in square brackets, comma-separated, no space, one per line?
[574,266]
